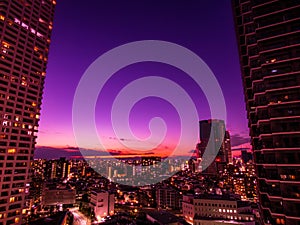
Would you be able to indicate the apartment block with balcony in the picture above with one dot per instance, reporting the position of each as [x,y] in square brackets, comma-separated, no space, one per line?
[268,34]
[24,45]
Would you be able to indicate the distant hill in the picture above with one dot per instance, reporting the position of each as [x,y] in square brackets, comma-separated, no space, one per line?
[43,152]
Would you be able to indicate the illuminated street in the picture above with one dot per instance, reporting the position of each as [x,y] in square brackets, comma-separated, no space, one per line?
[79,218]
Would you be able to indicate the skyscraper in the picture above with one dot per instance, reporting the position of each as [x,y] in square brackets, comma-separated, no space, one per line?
[268,34]
[25,27]
[219,148]
[214,128]
[227,148]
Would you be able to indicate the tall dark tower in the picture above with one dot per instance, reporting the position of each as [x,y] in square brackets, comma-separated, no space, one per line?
[219,148]
[25,27]
[215,128]
[226,147]
[268,34]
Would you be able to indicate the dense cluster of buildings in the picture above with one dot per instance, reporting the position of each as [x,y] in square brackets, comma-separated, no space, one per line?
[194,195]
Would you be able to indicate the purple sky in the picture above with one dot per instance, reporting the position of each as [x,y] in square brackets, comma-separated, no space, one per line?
[84,30]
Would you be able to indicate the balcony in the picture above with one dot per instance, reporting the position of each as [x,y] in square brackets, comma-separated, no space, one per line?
[290,191]
[289,173]
[285,110]
[279,43]
[279,30]
[271,189]
[291,125]
[292,208]
[274,206]
[290,81]
[286,140]
[281,17]
[286,157]
[264,9]
[269,174]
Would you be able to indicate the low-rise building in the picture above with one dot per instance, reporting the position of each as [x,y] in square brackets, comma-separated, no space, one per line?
[164,218]
[168,198]
[58,196]
[102,203]
[203,209]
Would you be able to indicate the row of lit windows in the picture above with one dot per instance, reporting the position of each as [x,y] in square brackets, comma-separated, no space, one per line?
[12,35]
[214,205]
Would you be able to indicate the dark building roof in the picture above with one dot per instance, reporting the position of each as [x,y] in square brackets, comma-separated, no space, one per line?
[164,217]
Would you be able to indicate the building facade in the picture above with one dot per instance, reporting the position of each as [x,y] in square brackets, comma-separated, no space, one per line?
[58,196]
[211,209]
[168,198]
[268,34]
[102,204]
[24,44]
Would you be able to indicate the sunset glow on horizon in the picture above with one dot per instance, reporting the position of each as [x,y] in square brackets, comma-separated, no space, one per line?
[71,59]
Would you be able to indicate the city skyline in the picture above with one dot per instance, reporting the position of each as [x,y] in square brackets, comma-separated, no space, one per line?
[220,55]
[143,119]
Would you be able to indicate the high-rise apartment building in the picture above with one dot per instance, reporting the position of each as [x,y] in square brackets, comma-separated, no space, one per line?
[25,28]
[268,34]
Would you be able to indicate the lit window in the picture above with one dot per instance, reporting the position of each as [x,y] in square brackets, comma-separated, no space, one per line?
[11,150]
[17,21]
[39,35]
[273,60]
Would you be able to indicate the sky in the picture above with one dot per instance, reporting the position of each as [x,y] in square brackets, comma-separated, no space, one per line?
[84,30]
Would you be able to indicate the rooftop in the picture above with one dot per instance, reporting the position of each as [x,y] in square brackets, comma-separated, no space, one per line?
[164,217]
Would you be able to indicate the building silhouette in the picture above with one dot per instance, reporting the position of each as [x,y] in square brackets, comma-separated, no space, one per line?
[219,149]
[24,44]
[268,35]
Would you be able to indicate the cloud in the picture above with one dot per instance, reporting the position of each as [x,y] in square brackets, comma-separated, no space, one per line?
[237,139]
[193,151]
[46,152]
[245,146]
[71,148]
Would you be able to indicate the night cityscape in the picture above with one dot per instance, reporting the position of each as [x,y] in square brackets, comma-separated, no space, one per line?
[145,112]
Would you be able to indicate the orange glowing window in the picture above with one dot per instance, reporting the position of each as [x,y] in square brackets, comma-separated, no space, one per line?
[11,150]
